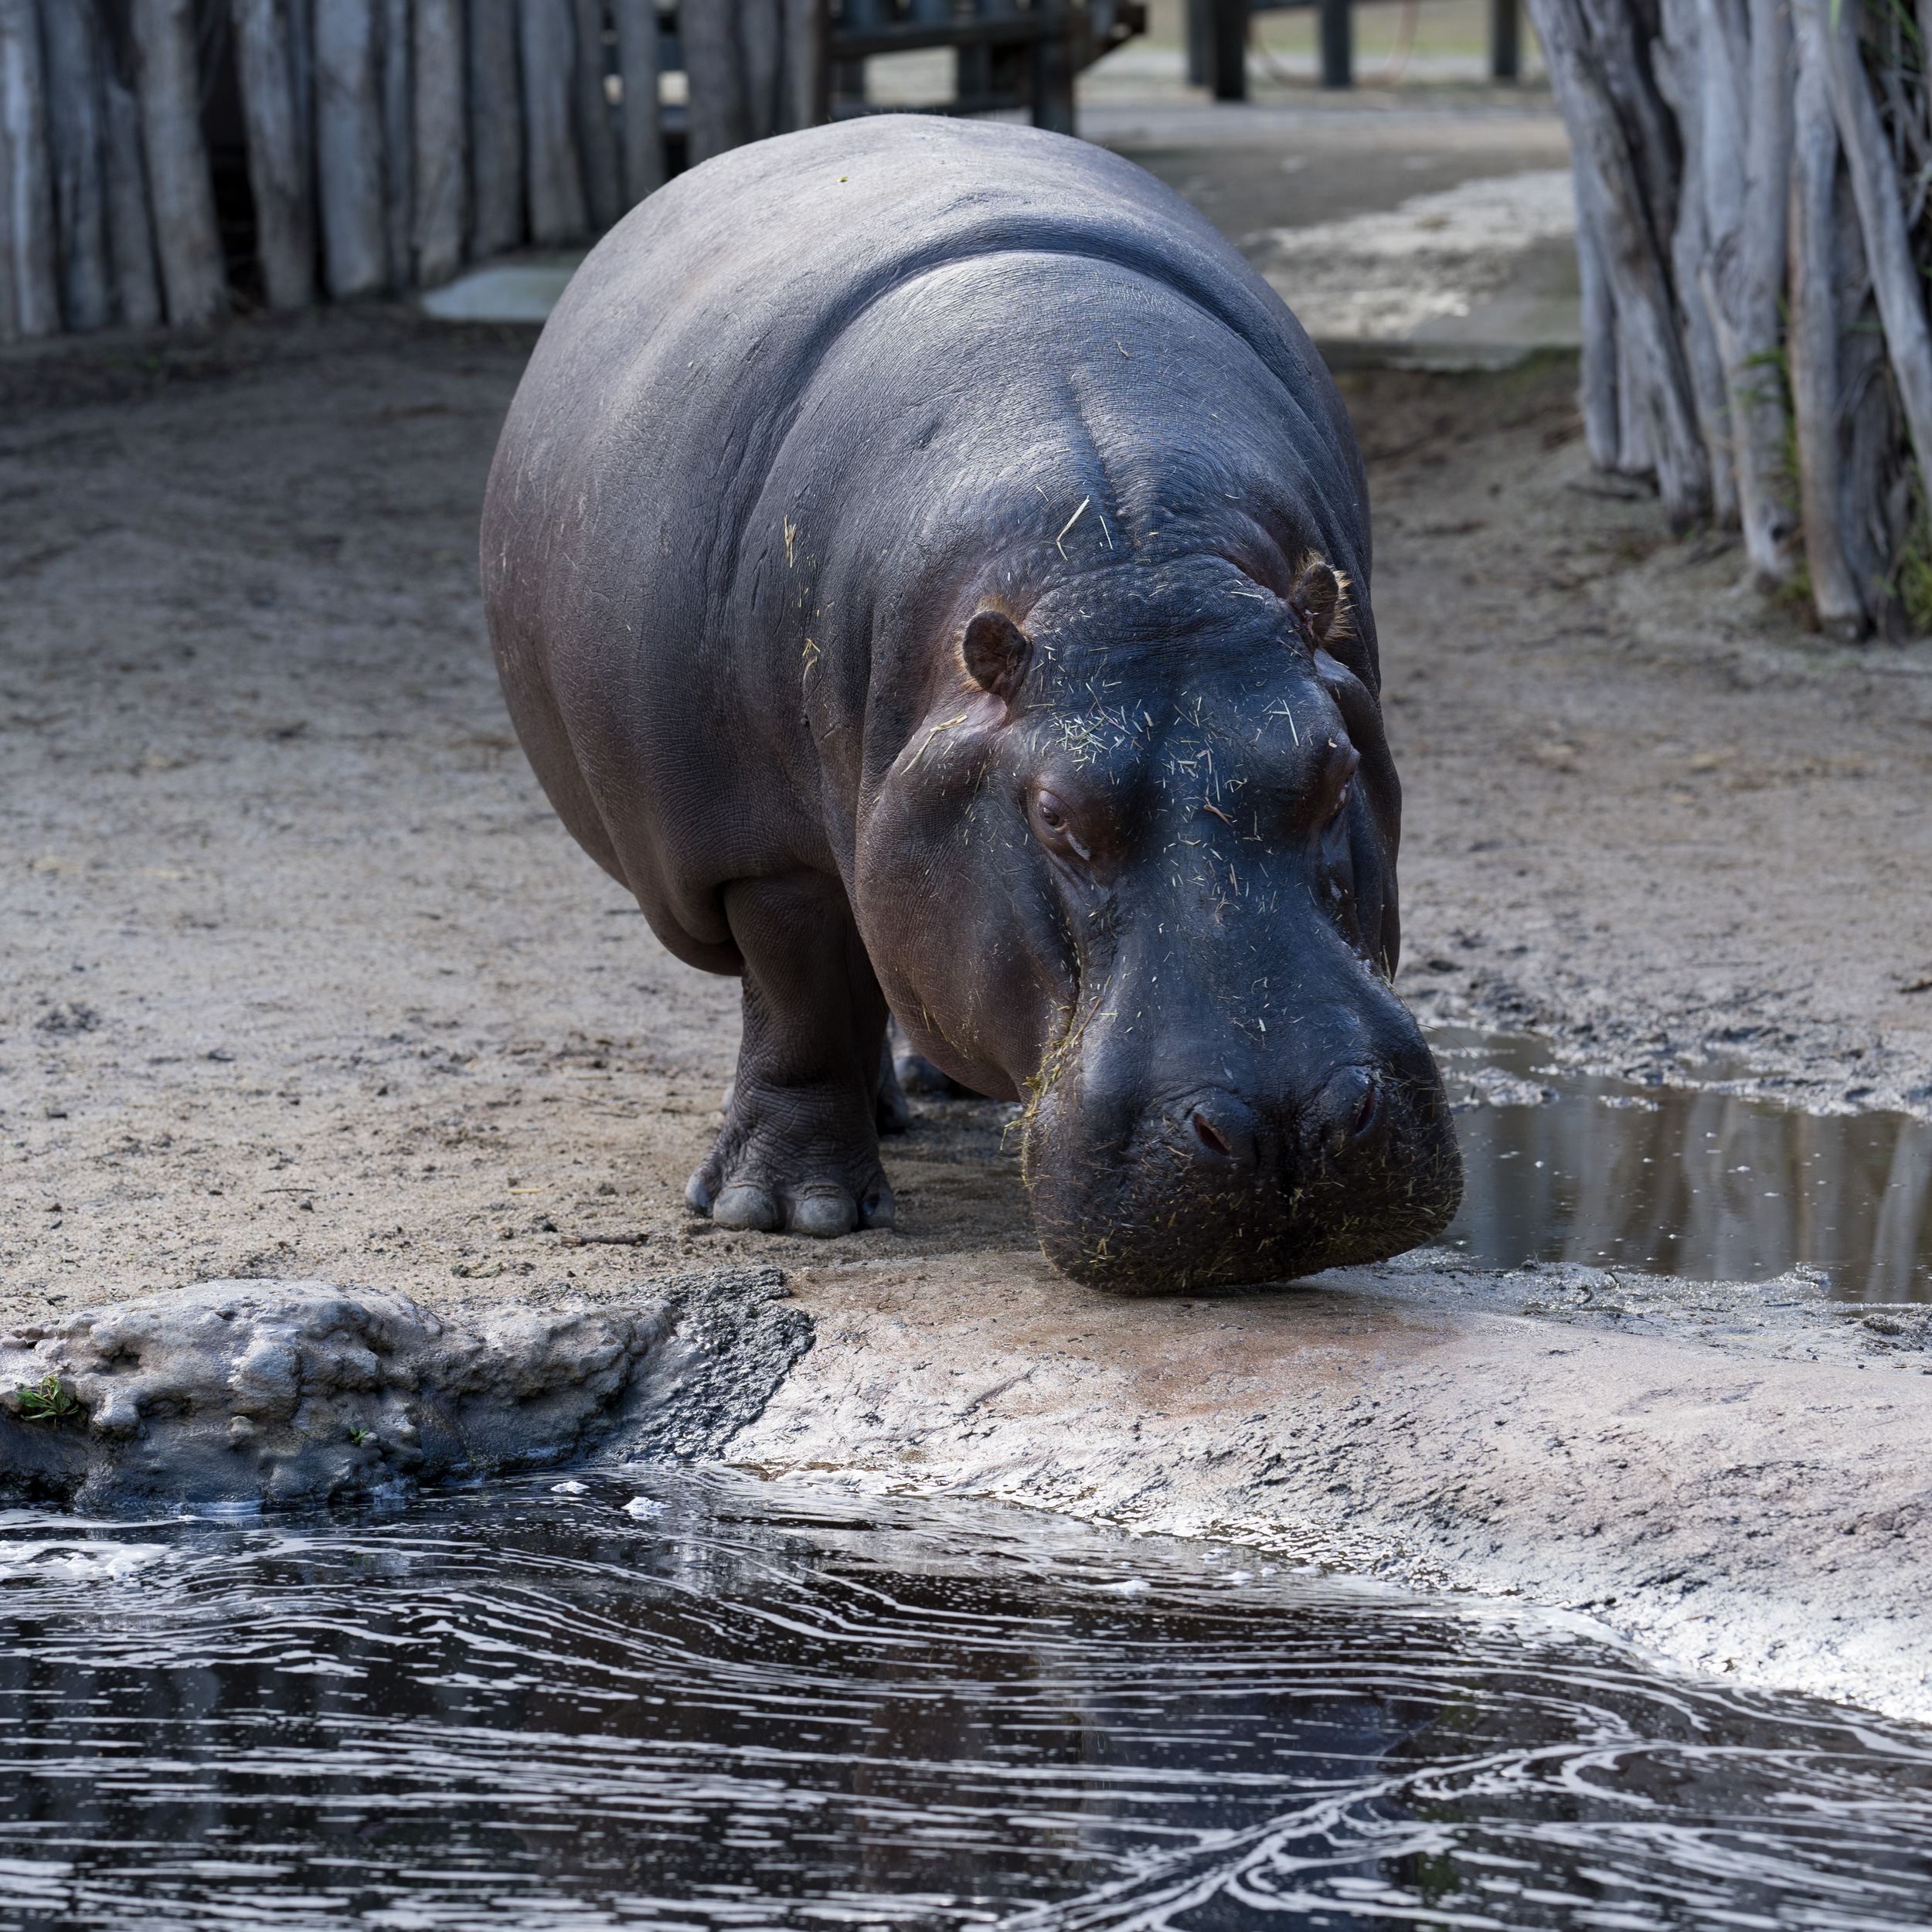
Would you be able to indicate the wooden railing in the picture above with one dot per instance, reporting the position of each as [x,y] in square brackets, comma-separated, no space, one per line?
[1008,58]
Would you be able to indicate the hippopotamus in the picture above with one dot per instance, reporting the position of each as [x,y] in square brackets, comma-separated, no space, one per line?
[929,569]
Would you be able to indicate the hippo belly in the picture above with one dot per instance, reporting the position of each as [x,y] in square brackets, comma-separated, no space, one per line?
[931,569]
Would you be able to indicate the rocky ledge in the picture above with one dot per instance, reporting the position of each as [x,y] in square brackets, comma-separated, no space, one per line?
[285,1392]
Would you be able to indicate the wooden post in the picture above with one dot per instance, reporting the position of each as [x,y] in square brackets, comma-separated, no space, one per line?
[1337,43]
[496,127]
[1053,69]
[1596,390]
[806,98]
[278,162]
[23,129]
[643,131]
[130,228]
[1812,345]
[597,129]
[1654,383]
[1749,281]
[395,52]
[1896,281]
[1696,79]
[9,300]
[1505,39]
[1231,49]
[715,118]
[193,278]
[760,57]
[71,46]
[547,38]
[1198,17]
[348,148]
[438,59]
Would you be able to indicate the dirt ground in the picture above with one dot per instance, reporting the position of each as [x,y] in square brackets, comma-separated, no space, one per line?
[299,976]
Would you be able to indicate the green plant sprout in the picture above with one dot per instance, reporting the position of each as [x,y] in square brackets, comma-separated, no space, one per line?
[47,1401]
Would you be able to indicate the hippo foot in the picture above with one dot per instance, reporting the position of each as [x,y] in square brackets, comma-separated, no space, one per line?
[754,1180]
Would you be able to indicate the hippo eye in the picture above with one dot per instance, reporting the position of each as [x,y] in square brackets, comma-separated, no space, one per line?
[1055,826]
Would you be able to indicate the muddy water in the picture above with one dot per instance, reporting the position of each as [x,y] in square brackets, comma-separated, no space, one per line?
[697,1700]
[1565,1167]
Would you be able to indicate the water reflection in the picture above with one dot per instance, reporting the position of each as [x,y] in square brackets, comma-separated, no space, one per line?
[1683,1181]
[765,1707]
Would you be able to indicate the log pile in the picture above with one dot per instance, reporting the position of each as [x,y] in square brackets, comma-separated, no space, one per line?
[1754,242]
[387,142]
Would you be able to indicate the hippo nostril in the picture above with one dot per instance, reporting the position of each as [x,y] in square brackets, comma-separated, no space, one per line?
[1347,1113]
[1211,1136]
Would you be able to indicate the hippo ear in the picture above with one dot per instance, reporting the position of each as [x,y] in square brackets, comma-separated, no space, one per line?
[1316,597]
[996,651]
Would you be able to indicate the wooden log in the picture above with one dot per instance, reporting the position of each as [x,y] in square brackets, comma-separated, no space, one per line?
[1620,36]
[135,275]
[395,62]
[1054,66]
[1636,451]
[1696,75]
[1749,284]
[597,129]
[349,149]
[761,56]
[180,191]
[301,75]
[639,122]
[1597,388]
[9,304]
[715,119]
[1888,252]
[547,39]
[496,128]
[1877,473]
[1653,375]
[440,176]
[806,102]
[1812,344]
[23,131]
[73,48]
[278,160]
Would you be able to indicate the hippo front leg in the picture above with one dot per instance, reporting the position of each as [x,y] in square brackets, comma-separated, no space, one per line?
[800,1148]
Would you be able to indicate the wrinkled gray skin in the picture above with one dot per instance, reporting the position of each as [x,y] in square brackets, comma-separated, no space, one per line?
[929,569]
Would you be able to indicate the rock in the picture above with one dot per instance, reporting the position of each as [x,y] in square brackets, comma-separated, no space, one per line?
[300,1391]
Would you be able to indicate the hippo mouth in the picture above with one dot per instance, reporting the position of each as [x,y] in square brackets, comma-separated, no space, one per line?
[1206,1191]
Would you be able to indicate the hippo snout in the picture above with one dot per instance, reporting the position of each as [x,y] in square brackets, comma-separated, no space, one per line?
[1215,1186]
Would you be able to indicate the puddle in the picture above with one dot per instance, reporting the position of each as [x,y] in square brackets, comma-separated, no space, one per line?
[765,1704]
[1561,1166]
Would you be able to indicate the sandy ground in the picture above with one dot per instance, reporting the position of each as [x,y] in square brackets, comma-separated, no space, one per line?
[299,975]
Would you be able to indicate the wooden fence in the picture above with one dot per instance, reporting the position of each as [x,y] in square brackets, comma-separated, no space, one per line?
[1755,237]
[166,160]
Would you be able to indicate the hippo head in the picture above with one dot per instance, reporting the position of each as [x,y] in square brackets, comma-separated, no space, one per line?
[1136,867]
